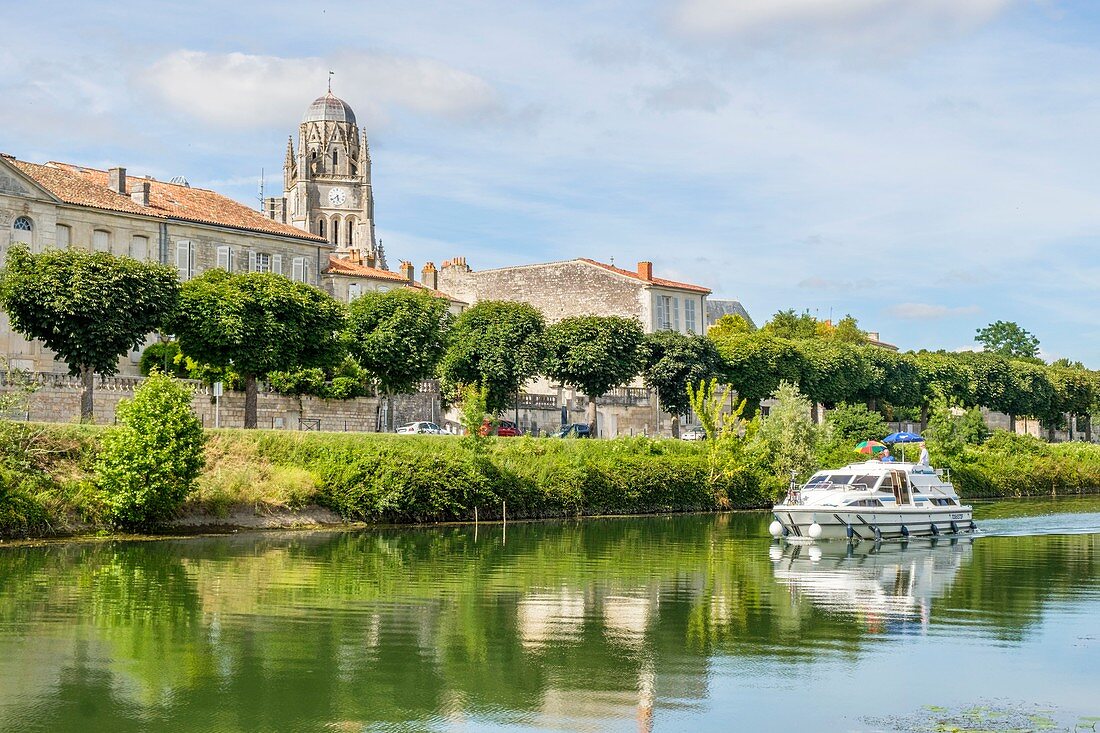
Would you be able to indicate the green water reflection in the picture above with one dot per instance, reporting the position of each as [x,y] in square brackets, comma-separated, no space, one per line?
[614,624]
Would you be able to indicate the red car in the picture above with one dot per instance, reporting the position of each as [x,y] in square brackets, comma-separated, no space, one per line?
[500,428]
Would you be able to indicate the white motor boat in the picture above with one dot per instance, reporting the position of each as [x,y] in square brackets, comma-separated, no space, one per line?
[873,500]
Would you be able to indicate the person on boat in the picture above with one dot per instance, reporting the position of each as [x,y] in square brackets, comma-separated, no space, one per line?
[924,459]
[885,456]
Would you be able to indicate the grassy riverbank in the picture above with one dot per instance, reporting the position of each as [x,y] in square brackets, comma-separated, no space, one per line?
[383,478]
[47,480]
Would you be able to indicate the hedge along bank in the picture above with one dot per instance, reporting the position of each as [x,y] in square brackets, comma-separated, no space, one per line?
[384,478]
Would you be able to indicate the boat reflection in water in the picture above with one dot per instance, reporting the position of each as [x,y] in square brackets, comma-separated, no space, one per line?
[889,586]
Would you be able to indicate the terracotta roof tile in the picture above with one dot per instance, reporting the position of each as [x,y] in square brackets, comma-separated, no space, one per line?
[655,281]
[89,187]
[340,266]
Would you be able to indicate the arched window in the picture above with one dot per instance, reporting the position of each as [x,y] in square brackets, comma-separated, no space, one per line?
[22,230]
[320,227]
[351,231]
[335,156]
[336,231]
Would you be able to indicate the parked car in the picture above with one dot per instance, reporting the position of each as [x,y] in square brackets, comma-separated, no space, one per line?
[696,433]
[420,428]
[500,428]
[574,430]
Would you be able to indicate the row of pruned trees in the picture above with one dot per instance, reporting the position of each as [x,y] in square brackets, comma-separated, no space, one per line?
[93,308]
[831,371]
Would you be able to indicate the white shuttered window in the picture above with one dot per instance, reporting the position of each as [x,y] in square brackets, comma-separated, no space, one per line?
[225,258]
[139,247]
[183,259]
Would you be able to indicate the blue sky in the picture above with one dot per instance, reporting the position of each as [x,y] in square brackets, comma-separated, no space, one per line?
[928,166]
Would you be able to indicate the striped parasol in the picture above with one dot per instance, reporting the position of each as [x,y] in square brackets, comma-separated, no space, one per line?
[870,447]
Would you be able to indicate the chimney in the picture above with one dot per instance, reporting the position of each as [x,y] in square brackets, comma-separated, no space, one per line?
[140,193]
[873,335]
[430,276]
[355,256]
[407,271]
[116,180]
[645,270]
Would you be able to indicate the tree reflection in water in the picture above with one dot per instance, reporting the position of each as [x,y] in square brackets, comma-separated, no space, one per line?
[570,625]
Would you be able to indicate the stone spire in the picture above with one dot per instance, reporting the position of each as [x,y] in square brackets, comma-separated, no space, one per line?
[290,165]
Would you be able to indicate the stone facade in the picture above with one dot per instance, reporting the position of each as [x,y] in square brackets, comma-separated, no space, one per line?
[58,205]
[583,287]
[56,398]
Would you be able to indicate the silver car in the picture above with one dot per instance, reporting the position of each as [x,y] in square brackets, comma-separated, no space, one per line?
[696,433]
[420,428]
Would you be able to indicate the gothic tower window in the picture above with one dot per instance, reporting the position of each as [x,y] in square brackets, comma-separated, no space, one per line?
[320,227]
[335,156]
[336,230]
[351,230]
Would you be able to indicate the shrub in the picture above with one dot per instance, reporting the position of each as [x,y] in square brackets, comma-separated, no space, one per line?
[163,356]
[150,461]
[787,438]
[853,423]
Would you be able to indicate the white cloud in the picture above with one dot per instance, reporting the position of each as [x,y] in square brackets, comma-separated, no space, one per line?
[884,24]
[244,90]
[928,312]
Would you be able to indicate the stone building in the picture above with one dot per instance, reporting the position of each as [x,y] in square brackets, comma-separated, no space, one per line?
[190,229]
[349,277]
[581,287]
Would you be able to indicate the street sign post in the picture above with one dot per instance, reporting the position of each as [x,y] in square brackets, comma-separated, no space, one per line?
[217,404]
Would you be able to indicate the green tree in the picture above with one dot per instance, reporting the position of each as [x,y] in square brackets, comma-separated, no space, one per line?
[163,356]
[788,438]
[731,324]
[150,460]
[1007,338]
[754,364]
[832,372]
[594,354]
[1074,391]
[398,337]
[847,331]
[497,345]
[90,309]
[853,423]
[257,323]
[790,325]
[672,362]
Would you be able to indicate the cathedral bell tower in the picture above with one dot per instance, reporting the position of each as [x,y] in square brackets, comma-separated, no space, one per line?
[327,181]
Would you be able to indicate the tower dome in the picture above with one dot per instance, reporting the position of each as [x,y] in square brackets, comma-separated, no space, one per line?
[329,108]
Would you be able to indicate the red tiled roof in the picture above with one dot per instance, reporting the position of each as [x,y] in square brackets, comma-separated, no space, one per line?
[655,281]
[89,187]
[340,266]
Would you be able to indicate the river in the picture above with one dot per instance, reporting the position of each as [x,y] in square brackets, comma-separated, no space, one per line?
[677,623]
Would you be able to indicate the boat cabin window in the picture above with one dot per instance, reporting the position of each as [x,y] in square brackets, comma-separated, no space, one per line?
[945,502]
[899,485]
[840,479]
[864,482]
